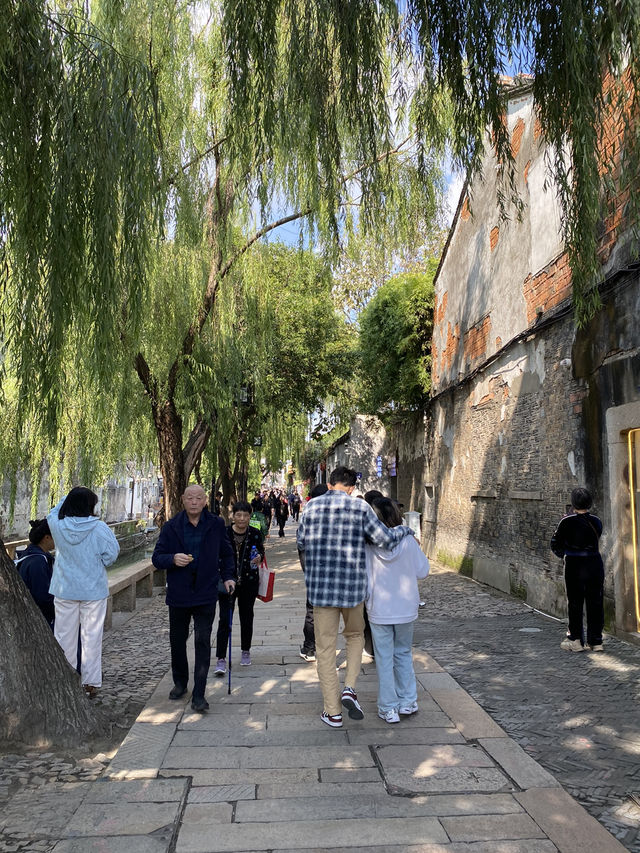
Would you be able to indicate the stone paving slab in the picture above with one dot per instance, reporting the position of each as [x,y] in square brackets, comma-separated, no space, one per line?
[221,793]
[466,714]
[137,791]
[253,776]
[229,737]
[114,844]
[40,812]
[142,751]
[267,757]
[526,846]
[122,818]
[397,734]
[201,834]
[566,823]
[437,681]
[491,828]
[524,771]
[378,805]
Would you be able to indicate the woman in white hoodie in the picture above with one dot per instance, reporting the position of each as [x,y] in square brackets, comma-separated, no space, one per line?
[84,547]
[392,604]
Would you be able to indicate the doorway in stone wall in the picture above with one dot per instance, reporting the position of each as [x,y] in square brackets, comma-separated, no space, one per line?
[634,489]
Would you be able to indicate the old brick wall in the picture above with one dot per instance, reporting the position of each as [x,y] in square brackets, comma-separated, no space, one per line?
[502,451]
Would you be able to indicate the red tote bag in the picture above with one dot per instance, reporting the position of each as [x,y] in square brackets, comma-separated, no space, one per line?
[267,578]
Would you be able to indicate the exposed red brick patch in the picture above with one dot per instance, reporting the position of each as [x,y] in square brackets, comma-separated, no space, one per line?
[516,137]
[547,288]
[610,154]
[498,342]
[435,373]
[526,172]
[476,340]
[465,213]
[441,308]
[537,129]
[493,237]
[450,350]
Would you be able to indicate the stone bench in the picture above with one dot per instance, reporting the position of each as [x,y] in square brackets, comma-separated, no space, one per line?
[127,584]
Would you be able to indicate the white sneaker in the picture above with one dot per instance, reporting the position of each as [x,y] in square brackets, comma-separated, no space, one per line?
[407,710]
[389,716]
[571,645]
[597,648]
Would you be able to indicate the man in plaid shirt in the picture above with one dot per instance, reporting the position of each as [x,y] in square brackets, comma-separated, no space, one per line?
[332,534]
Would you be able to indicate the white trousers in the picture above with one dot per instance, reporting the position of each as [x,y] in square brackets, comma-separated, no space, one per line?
[88,616]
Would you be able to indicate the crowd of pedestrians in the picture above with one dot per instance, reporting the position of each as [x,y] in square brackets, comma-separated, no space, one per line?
[361,567]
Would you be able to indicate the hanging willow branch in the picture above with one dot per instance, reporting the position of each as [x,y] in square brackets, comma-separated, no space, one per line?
[358,68]
[78,196]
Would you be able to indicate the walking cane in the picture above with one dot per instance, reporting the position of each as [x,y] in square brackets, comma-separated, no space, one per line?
[230,624]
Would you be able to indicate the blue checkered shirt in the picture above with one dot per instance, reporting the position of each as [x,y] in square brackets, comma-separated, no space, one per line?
[332,533]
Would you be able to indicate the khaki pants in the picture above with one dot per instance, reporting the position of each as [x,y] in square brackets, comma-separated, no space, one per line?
[326,624]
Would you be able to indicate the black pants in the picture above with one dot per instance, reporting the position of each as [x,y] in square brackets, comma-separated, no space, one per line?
[295,513]
[309,645]
[584,580]
[281,524]
[246,595]
[179,621]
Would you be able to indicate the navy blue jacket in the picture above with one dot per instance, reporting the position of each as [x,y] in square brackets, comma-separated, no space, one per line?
[197,583]
[36,568]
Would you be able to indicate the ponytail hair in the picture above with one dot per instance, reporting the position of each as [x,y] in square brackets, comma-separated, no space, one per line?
[39,529]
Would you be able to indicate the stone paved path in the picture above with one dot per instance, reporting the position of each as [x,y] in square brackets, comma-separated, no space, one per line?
[578,715]
[260,771]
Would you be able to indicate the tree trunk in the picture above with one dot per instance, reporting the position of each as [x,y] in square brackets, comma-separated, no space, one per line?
[168,425]
[227,481]
[41,699]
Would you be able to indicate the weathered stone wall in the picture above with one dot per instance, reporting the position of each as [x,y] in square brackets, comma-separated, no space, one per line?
[492,466]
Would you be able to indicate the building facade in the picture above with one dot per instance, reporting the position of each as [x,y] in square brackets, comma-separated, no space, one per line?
[525,405]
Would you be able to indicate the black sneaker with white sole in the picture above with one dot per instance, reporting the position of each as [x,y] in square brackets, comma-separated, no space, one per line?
[350,702]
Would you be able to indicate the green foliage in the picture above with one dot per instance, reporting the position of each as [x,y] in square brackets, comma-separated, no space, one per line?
[369,69]
[78,197]
[395,342]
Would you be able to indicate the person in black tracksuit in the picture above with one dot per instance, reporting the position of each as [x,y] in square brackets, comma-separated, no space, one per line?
[576,541]
[243,538]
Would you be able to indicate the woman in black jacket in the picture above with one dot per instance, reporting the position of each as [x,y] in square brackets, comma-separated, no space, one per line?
[248,547]
[282,514]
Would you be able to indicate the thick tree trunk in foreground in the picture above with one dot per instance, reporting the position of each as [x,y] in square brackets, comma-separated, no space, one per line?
[41,698]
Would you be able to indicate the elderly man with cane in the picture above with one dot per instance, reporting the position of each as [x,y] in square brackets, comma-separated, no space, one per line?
[191,547]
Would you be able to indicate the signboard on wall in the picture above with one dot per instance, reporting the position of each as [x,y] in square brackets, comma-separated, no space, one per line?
[378,466]
[391,465]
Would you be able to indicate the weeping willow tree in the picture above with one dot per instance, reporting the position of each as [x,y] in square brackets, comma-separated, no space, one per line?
[78,173]
[326,66]
[281,347]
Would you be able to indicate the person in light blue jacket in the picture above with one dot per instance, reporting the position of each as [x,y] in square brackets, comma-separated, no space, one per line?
[85,546]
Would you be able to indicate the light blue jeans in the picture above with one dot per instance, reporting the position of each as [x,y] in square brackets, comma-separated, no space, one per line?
[394,665]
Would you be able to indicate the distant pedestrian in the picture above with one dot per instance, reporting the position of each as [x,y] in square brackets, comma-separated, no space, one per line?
[332,532]
[295,506]
[248,552]
[194,550]
[85,546]
[35,565]
[392,603]
[308,647]
[576,541]
[282,514]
